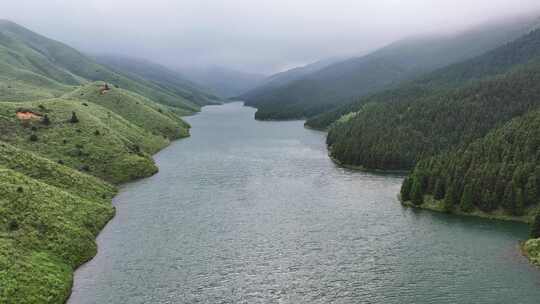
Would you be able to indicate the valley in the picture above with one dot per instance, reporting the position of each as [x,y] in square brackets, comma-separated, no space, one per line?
[406,174]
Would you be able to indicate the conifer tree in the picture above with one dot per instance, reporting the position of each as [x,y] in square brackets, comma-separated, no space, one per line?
[466,204]
[439,189]
[406,190]
[450,199]
[417,196]
[535,227]
[74,118]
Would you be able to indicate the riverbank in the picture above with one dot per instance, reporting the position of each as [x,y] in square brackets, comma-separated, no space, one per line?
[529,248]
[402,173]
[111,217]
[438,206]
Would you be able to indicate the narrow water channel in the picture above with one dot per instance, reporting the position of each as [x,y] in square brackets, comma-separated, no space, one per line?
[255,212]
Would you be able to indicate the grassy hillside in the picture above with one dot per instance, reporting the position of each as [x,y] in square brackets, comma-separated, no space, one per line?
[167,79]
[49,216]
[65,140]
[35,67]
[340,83]
[101,143]
[137,109]
[45,232]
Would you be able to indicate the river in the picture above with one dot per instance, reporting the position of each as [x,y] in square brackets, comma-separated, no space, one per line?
[245,211]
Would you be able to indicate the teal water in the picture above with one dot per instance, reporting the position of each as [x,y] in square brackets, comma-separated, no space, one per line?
[255,212]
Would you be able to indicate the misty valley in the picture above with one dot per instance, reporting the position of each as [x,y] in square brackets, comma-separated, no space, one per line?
[252,156]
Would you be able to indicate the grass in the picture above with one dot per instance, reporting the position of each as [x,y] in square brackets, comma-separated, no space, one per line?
[531,249]
[102,143]
[58,175]
[45,233]
[137,109]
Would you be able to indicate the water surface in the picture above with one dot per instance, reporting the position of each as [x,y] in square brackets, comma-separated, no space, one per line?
[255,212]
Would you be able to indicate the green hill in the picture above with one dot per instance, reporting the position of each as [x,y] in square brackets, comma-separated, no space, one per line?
[499,172]
[35,67]
[393,136]
[494,62]
[396,128]
[137,109]
[101,143]
[167,79]
[49,216]
[71,128]
[340,83]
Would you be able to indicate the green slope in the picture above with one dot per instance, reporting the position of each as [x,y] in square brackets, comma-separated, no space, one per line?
[494,62]
[392,130]
[64,142]
[45,232]
[340,83]
[46,68]
[393,136]
[102,143]
[49,216]
[499,171]
[137,109]
[167,79]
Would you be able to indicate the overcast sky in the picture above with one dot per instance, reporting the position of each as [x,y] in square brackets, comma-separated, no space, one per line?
[250,35]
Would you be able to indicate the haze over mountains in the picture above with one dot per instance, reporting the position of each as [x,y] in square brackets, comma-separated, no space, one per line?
[341,82]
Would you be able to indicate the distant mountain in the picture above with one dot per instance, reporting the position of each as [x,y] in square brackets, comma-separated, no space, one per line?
[344,81]
[286,77]
[223,81]
[163,77]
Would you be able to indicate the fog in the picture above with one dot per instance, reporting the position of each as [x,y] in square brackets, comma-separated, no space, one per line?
[261,36]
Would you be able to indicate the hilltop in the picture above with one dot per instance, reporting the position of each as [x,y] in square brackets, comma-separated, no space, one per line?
[35,67]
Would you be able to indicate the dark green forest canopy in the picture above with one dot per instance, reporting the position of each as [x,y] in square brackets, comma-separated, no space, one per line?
[494,62]
[394,136]
[499,171]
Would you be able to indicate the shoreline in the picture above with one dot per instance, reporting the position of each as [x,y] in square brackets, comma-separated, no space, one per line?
[401,173]
[119,188]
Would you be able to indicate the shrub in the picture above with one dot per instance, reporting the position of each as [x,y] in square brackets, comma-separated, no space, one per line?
[33,137]
[74,118]
[46,121]
[535,227]
[97,133]
[13,225]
